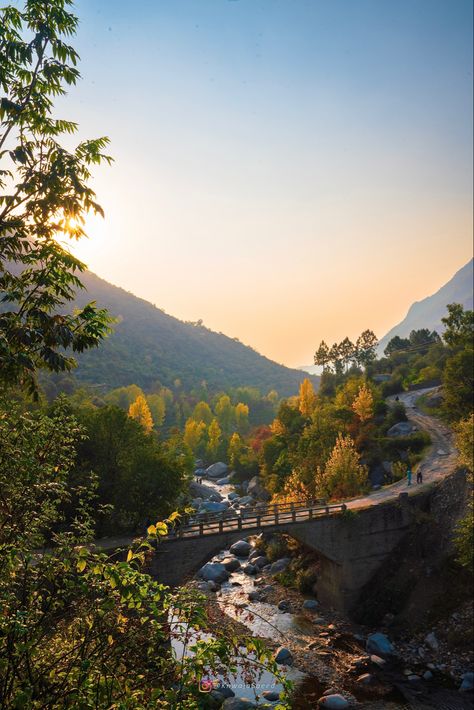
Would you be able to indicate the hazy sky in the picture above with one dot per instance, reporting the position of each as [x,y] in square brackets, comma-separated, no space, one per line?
[286,170]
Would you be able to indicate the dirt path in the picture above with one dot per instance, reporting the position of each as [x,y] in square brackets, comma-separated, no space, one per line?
[438,463]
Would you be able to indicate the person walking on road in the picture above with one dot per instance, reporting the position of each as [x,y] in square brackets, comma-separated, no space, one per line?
[419,475]
[409,475]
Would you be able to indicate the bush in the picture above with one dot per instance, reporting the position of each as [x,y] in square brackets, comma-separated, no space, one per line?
[397,414]
[277,548]
[305,580]
[393,386]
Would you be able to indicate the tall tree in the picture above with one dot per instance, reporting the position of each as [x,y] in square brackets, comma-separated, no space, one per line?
[193,434]
[140,411]
[242,417]
[157,407]
[366,347]
[335,357]
[214,439]
[346,351]
[46,196]
[459,326]
[225,413]
[307,398]
[321,356]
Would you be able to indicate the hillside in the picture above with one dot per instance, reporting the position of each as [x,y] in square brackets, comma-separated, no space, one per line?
[148,345]
[428,312]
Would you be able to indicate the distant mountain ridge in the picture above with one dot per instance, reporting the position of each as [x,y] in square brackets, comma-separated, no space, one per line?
[428,312]
[149,345]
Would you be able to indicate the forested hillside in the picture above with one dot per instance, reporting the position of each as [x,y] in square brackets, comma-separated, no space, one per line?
[148,345]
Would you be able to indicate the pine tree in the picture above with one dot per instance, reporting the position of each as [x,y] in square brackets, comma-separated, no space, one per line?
[140,411]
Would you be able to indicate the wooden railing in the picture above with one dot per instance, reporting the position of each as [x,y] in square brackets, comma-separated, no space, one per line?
[261,515]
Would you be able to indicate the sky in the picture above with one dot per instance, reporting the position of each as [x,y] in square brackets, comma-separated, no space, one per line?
[285,170]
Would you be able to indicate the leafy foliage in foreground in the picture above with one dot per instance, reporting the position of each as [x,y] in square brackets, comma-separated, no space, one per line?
[78,628]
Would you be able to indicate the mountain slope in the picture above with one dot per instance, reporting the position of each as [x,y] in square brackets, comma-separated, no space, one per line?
[428,312]
[148,345]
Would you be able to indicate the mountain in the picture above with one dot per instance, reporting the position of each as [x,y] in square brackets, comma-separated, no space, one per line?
[148,345]
[428,312]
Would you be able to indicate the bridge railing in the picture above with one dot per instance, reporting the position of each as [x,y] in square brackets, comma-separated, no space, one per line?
[274,514]
[260,508]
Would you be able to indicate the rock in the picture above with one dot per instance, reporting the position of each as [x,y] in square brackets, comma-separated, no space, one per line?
[213,572]
[284,656]
[271,695]
[213,586]
[260,561]
[210,506]
[333,702]
[432,641]
[255,596]
[249,569]
[310,604]
[377,487]
[238,704]
[215,699]
[414,678]
[254,554]
[223,481]
[401,429]
[427,675]
[246,500]
[215,497]
[225,691]
[365,679]
[283,605]
[241,548]
[377,661]
[233,496]
[256,489]
[217,470]
[200,491]
[379,644]
[280,565]
[231,564]
[467,682]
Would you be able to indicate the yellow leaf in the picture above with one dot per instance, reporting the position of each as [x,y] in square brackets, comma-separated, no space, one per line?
[110,639]
[81,565]
[161,528]
[151,530]
[129,556]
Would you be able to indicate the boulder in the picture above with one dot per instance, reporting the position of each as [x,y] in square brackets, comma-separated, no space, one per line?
[241,548]
[284,656]
[238,704]
[223,481]
[254,554]
[249,569]
[377,661]
[213,572]
[413,678]
[467,682]
[310,604]
[365,679]
[333,702]
[217,470]
[427,675]
[260,561]
[231,564]
[256,489]
[213,586]
[255,596]
[233,496]
[199,490]
[401,429]
[210,506]
[283,605]
[246,500]
[215,497]
[432,641]
[271,695]
[379,644]
[280,565]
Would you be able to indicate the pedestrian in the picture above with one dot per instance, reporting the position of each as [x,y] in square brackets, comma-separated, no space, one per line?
[409,475]
[419,475]
[397,398]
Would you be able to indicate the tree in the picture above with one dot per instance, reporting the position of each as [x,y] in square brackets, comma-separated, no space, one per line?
[335,357]
[344,475]
[225,413]
[322,356]
[395,344]
[464,537]
[458,384]
[202,413]
[214,439]
[235,450]
[123,396]
[365,348]
[242,417]
[46,196]
[423,336]
[363,404]
[307,398]
[140,411]
[193,434]
[346,351]
[157,407]
[459,326]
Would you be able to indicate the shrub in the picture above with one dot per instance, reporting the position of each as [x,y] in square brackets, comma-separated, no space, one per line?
[277,548]
[305,580]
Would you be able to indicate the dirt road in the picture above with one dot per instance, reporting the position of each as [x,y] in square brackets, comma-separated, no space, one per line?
[438,463]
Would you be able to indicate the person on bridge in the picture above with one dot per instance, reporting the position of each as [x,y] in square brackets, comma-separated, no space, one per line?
[419,475]
[409,475]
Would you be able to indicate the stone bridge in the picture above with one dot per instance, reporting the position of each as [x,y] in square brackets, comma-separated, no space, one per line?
[351,544]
